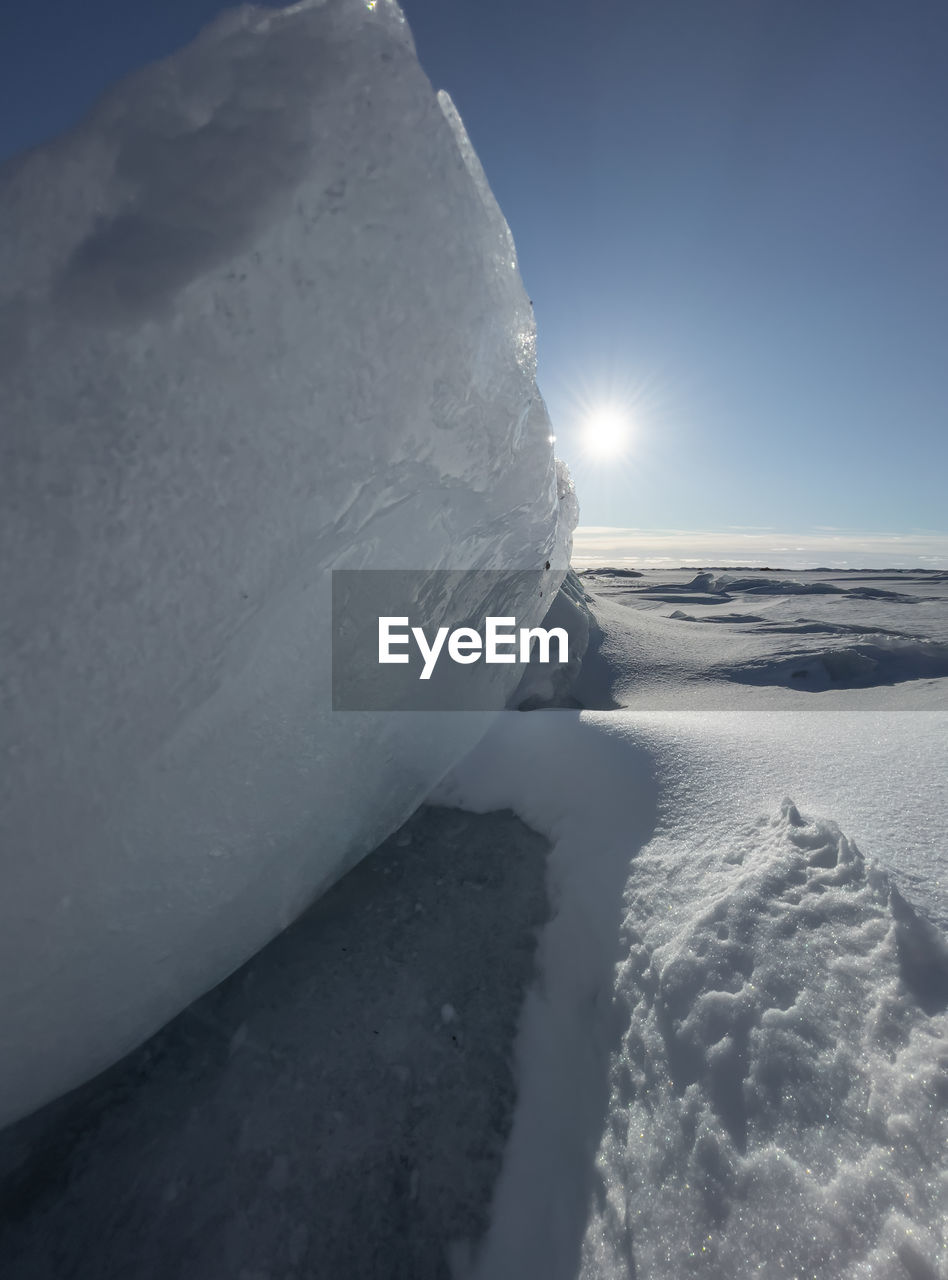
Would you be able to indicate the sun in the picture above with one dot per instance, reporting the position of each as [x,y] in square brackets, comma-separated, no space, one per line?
[606,432]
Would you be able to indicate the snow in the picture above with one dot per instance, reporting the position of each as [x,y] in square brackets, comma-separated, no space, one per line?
[261,317]
[774,1095]
[731,1061]
[734,1061]
[680,641]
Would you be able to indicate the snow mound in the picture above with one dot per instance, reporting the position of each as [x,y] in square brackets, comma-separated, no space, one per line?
[727,584]
[737,618]
[741,1069]
[610,573]
[881,660]
[260,317]
[783,1064]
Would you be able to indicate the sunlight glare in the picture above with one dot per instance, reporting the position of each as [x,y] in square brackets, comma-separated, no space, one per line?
[606,432]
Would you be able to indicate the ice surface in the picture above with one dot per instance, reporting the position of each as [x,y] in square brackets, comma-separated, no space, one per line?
[260,317]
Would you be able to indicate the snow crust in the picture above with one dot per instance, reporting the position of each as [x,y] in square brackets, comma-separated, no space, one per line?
[260,317]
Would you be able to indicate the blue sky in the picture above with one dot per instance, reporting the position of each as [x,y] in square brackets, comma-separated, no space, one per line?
[732,218]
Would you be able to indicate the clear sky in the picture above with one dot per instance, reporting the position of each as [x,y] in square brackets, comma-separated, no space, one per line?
[731,215]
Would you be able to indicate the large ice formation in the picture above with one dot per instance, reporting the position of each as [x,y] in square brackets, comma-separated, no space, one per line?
[260,316]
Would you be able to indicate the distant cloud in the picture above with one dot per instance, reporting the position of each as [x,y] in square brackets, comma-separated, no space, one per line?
[754,545]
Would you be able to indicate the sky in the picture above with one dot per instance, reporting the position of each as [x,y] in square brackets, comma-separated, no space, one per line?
[731,217]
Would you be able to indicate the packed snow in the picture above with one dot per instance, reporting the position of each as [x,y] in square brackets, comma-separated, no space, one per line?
[261,318]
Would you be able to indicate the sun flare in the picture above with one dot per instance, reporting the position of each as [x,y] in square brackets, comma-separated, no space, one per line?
[606,432]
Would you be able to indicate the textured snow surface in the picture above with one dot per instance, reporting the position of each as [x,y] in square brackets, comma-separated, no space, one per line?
[260,317]
[777,1096]
[735,1060]
[841,641]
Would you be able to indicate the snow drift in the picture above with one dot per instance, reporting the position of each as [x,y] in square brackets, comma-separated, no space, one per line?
[880,659]
[260,317]
[733,1062]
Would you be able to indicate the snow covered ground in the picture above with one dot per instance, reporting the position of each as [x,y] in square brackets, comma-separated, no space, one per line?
[732,1060]
[735,1062]
[692,641]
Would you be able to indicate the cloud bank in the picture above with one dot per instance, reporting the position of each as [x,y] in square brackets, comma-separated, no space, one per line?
[822,547]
